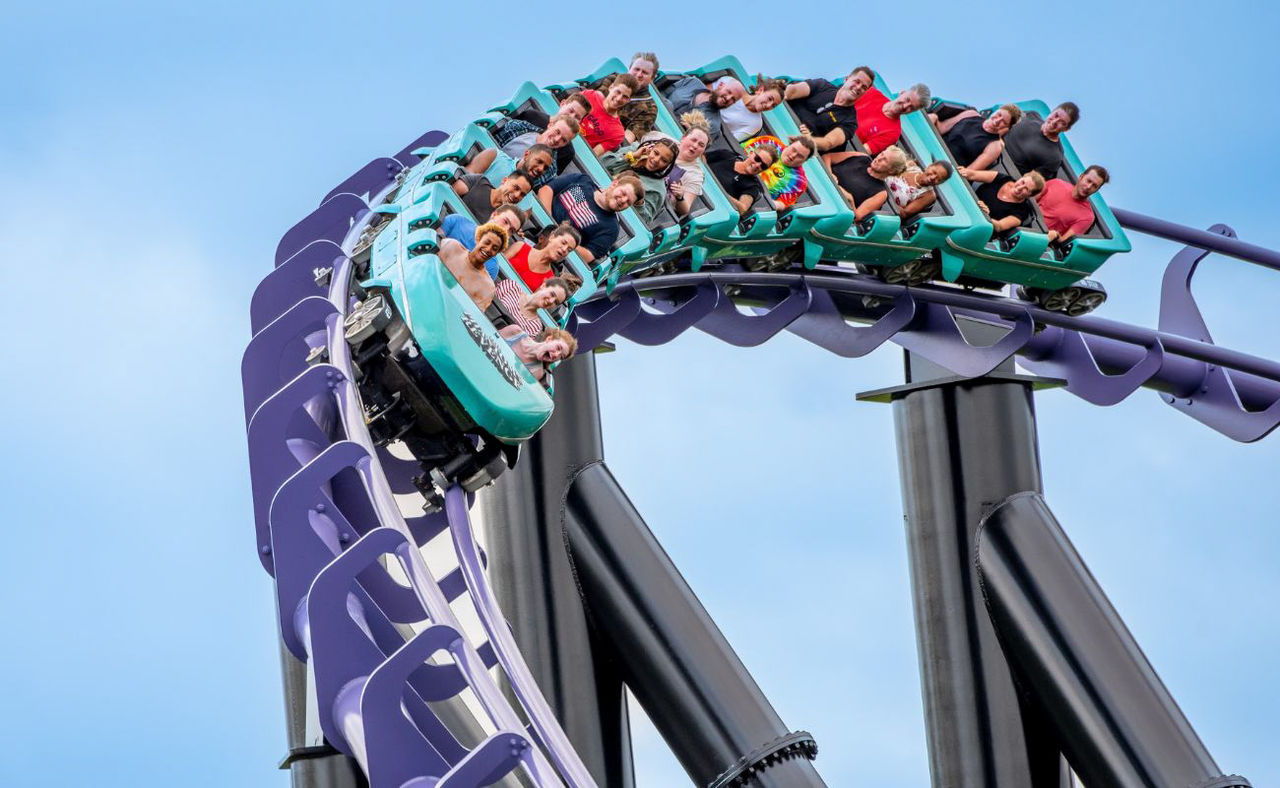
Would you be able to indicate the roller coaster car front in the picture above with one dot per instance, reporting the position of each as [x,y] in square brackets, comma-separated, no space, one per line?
[405,400]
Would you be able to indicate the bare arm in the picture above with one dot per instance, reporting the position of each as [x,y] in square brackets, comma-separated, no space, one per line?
[599,150]
[870,205]
[482,161]
[1007,223]
[585,254]
[919,204]
[831,140]
[945,125]
[743,203]
[988,156]
[544,198]
[796,90]
[460,188]
[974,174]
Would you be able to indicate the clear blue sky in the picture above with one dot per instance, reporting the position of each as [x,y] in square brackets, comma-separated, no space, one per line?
[152,154]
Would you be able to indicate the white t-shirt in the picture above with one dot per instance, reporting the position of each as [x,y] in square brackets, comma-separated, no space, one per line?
[740,121]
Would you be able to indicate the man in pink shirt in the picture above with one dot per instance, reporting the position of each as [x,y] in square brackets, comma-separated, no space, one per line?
[1066,208]
[880,120]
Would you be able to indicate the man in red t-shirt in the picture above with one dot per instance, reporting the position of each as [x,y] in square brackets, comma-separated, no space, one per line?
[880,120]
[602,128]
[1066,208]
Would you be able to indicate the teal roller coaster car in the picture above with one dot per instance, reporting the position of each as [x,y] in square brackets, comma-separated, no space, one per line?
[435,373]
[1024,256]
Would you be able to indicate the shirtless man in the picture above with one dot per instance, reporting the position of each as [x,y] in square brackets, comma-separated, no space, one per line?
[468,266]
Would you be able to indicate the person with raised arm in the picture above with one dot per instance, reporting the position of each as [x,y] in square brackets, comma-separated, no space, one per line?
[976,142]
[828,112]
[592,211]
[468,266]
[1034,145]
[1005,201]
[1066,209]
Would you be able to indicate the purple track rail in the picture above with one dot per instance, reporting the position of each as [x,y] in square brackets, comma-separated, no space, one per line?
[328,525]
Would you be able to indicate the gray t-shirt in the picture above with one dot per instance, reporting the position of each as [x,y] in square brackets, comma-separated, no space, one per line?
[479,193]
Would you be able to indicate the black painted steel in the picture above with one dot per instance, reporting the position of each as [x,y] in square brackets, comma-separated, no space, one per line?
[1111,714]
[963,447]
[310,766]
[676,661]
[531,576]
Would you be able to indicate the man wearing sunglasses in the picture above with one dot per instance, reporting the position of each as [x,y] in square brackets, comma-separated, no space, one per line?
[739,175]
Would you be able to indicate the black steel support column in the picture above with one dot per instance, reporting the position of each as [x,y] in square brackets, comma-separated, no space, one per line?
[532,578]
[310,764]
[964,445]
[676,661]
[1114,718]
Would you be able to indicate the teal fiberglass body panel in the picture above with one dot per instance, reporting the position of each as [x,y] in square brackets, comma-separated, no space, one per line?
[456,339]
[882,239]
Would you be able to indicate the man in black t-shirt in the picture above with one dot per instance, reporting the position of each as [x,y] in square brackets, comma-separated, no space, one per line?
[481,198]
[1033,144]
[826,111]
[739,175]
[1006,202]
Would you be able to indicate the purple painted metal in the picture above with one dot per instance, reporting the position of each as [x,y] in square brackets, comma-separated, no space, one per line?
[727,324]
[1224,243]
[597,320]
[278,352]
[330,222]
[935,335]
[825,326]
[648,328]
[1073,360]
[1114,360]
[543,719]
[368,180]
[428,140]
[292,279]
